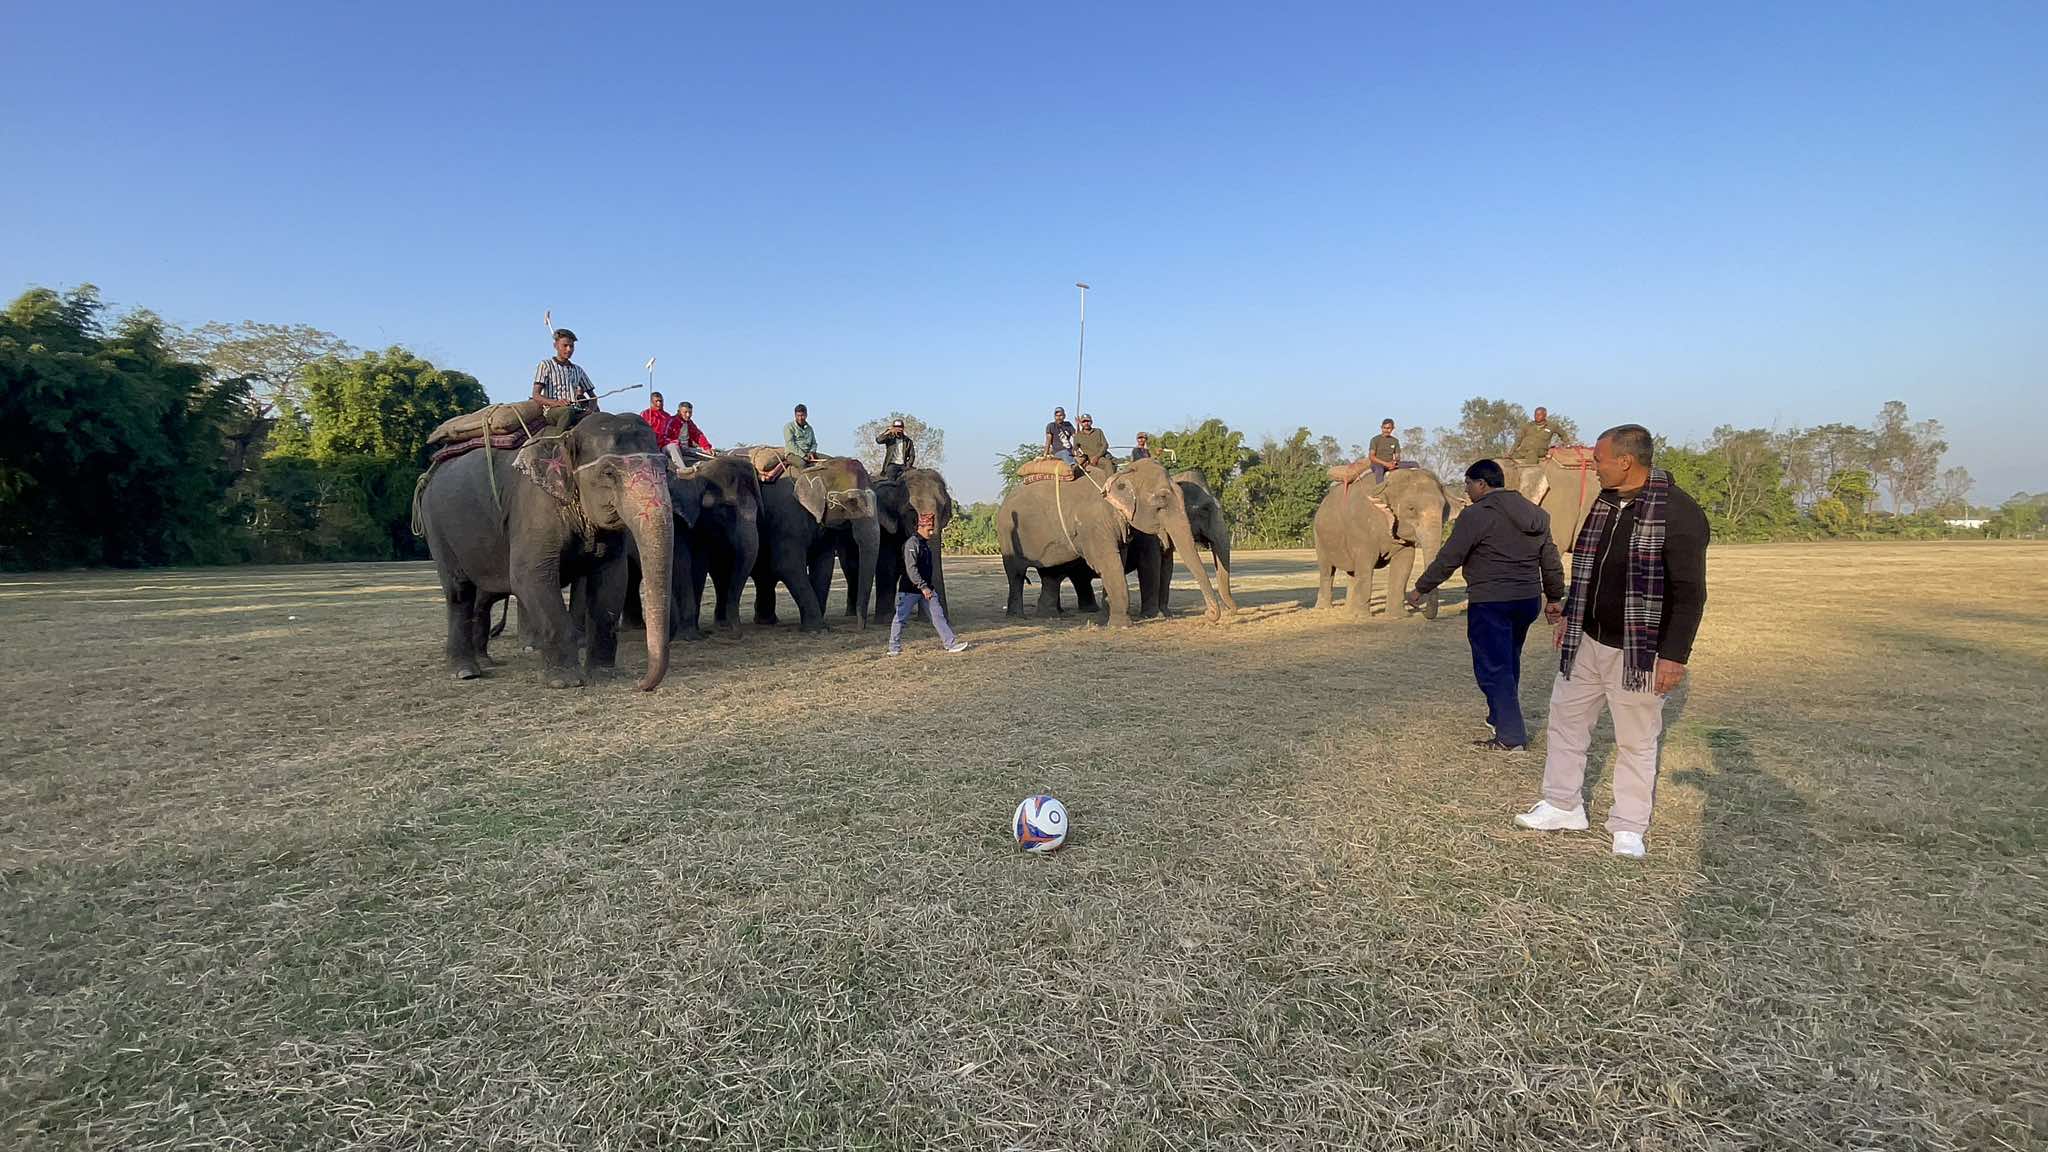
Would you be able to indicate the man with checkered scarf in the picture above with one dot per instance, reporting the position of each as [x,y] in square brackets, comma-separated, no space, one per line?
[1639,586]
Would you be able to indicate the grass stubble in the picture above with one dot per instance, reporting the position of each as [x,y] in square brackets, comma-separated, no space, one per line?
[269,880]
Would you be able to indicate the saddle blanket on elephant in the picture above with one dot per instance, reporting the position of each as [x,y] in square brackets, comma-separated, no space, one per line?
[525,418]
[1046,468]
[1572,456]
[503,442]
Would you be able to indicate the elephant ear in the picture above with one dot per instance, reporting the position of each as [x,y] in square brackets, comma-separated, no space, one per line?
[545,460]
[1122,498]
[687,494]
[810,492]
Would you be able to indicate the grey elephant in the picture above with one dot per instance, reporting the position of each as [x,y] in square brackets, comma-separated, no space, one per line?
[1356,535]
[557,513]
[717,505]
[811,521]
[1053,523]
[898,504]
[1211,529]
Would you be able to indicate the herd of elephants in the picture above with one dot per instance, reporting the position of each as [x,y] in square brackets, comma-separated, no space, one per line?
[533,504]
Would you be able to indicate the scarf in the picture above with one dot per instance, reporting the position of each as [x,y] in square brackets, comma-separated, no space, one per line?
[1643,612]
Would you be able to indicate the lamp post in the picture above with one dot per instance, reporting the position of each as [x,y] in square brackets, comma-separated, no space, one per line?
[1080,353]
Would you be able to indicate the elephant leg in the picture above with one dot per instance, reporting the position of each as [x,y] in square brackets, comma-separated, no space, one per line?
[888,558]
[480,628]
[1148,584]
[1400,566]
[1326,578]
[764,596]
[545,621]
[848,556]
[686,590]
[1358,601]
[1049,593]
[823,564]
[867,542]
[1106,558]
[605,607]
[1013,571]
[462,601]
[1222,557]
[938,581]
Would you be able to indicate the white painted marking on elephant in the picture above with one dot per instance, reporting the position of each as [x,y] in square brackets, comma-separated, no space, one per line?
[626,456]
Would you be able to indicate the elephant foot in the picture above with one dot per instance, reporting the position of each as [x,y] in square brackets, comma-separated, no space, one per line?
[562,678]
[691,633]
[767,621]
[465,672]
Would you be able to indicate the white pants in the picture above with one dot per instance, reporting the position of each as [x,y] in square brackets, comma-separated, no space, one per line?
[1638,723]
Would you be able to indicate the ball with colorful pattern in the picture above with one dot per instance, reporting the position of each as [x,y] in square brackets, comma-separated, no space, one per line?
[1040,824]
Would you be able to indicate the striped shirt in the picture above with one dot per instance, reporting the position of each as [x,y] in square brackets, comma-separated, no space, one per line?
[559,381]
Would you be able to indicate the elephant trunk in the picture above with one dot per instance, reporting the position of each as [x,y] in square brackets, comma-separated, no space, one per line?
[652,524]
[746,552]
[1220,546]
[1429,540]
[1183,536]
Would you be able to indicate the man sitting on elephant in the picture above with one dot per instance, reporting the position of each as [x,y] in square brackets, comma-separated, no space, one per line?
[1091,444]
[1059,436]
[1535,440]
[799,439]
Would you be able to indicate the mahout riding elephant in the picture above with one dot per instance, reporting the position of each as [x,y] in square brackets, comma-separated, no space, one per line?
[556,513]
[1053,523]
[717,504]
[1211,530]
[1357,536]
[898,504]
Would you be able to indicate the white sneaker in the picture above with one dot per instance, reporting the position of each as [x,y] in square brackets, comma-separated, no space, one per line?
[960,646]
[1547,817]
[895,651]
[1629,844]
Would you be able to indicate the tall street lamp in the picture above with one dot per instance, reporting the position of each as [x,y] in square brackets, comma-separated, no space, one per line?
[1081,353]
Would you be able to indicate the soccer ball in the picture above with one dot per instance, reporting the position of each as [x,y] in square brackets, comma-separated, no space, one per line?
[1040,824]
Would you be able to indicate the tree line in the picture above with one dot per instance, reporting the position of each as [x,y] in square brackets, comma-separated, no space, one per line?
[132,442]
[1833,481]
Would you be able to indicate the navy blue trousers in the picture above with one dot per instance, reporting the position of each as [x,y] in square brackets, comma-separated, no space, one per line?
[1496,631]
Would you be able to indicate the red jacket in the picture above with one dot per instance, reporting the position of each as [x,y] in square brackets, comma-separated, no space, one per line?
[691,436]
[665,424]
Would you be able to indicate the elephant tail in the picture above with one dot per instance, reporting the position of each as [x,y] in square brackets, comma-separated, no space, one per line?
[504,614]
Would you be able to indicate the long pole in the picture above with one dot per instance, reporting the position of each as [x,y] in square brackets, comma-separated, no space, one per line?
[1081,353]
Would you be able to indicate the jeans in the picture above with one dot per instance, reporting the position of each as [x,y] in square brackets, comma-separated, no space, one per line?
[1067,455]
[1379,473]
[906,603]
[1496,630]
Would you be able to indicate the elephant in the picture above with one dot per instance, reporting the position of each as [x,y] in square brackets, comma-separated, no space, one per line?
[898,504]
[1211,528]
[717,506]
[811,520]
[558,512]
[853,531]
[1051,524]
[1353,535]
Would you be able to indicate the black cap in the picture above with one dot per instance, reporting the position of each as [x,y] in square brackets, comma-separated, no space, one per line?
[565,334]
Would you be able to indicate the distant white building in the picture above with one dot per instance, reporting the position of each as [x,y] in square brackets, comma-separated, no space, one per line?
[1969,522]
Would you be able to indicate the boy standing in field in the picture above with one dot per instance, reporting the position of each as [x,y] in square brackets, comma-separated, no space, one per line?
[915,584]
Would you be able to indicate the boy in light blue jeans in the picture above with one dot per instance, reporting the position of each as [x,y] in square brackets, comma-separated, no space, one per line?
[916,584]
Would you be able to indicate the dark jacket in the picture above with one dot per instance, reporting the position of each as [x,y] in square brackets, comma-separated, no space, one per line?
[1503,543]
[909,447]
[1685,575]
[916,579]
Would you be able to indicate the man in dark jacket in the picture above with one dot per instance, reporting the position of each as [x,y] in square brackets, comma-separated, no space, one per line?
[1511,570]
[899,453]
[916,585]
[1639,587]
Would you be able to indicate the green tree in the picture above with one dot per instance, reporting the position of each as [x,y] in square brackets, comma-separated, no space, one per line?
[929,438]
[383,405]
[1210,448]
[1006,466]
[274,358]
[972,531]
[1906,456]
[1486,429]
[1273,503]
[114,451]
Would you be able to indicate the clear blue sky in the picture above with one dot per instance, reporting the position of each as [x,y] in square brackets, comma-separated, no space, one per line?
[1778,214]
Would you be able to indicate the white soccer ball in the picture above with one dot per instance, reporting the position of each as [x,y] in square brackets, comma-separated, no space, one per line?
[1040,824]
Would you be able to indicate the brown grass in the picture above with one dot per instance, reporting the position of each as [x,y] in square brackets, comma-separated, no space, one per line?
[278,883]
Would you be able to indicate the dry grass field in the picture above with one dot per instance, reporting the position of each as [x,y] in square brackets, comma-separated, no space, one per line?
[268,879]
